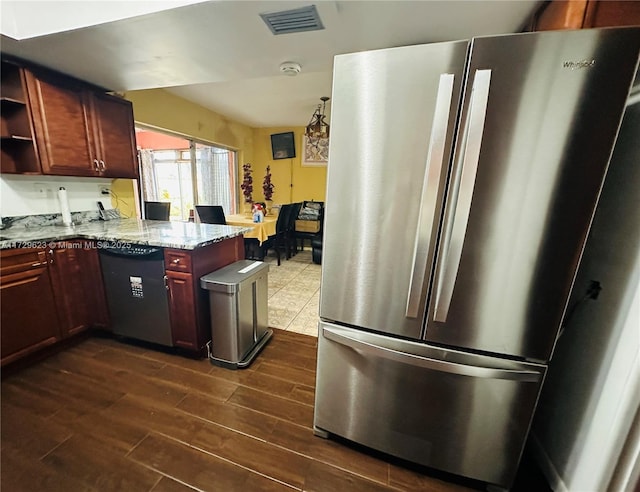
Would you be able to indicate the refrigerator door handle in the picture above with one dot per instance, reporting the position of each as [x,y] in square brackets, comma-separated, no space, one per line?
[430,185]
[372,350]
[463,190]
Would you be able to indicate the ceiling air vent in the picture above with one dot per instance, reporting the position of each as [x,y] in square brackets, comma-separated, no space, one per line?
[296,20]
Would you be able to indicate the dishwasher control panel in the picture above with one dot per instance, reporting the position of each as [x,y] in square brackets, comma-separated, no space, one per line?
[136,250]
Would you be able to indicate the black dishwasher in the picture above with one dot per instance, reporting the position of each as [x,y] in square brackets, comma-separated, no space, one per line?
[136,289]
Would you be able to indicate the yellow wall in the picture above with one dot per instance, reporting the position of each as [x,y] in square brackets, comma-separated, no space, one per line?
[309,183]
[122,197]
[161,109]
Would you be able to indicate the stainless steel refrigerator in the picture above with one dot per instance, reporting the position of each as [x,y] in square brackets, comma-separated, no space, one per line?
[462,181]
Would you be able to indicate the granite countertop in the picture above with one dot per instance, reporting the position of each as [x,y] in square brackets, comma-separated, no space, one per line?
[120,232]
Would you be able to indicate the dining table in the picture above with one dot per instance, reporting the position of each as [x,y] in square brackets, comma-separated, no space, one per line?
[261,230]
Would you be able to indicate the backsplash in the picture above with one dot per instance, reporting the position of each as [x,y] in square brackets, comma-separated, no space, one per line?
[33,221]
[38,195]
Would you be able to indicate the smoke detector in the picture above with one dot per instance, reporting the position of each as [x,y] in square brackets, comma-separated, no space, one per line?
[290,68]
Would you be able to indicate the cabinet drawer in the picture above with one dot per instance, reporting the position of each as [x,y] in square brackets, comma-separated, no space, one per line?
[177,260]
[20,260]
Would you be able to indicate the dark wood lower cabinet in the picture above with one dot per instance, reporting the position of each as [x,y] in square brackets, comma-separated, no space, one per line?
[78,286]
[95,295]
[51,294]
[188,303]
[29,317]
[183,310]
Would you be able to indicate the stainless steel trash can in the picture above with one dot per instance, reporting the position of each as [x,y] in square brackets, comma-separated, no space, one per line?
[239,314]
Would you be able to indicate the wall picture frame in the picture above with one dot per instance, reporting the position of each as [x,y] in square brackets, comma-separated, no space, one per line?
[315,152]
[283,146]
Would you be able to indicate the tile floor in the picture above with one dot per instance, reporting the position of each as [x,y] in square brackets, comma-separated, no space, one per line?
[294,293]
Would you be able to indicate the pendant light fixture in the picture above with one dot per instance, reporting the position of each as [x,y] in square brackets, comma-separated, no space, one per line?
[318,128]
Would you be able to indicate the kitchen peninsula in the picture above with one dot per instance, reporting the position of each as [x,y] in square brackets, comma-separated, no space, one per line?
[52,283]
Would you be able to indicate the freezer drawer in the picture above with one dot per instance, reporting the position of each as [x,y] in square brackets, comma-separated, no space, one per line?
[462,413]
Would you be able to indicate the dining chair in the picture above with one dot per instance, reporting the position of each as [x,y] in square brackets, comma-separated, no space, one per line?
[211,214]
[157,210]
[278,241]
[291,230]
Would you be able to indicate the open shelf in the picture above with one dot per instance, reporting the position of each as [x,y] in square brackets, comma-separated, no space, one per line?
[9,101]
[18,149]
[17,138]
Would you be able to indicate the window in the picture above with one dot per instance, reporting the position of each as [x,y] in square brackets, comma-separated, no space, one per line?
[186,173]
[216,171]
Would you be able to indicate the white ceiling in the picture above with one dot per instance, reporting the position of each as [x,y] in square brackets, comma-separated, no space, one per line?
[221,55]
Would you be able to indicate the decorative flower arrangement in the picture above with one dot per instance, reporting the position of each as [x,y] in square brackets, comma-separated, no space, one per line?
[247,183]
[267,185]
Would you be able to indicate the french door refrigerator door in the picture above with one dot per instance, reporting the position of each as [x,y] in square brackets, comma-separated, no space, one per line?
[540,117]
[462,413]
[392,121]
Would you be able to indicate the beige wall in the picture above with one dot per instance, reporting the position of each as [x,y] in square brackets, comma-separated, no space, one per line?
[158,108]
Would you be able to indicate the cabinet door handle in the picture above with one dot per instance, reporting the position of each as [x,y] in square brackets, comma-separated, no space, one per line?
[96,164]
[176,261]
[51,256]
[104,167]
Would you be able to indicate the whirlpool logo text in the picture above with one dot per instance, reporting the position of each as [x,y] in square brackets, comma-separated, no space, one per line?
[577,65]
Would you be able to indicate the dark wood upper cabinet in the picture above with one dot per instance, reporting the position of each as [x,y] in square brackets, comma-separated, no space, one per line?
[584,14]
[114,132]
[53,124]
[81,132]
[62,128]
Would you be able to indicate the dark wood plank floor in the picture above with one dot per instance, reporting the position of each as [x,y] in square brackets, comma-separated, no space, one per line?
[105,415]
